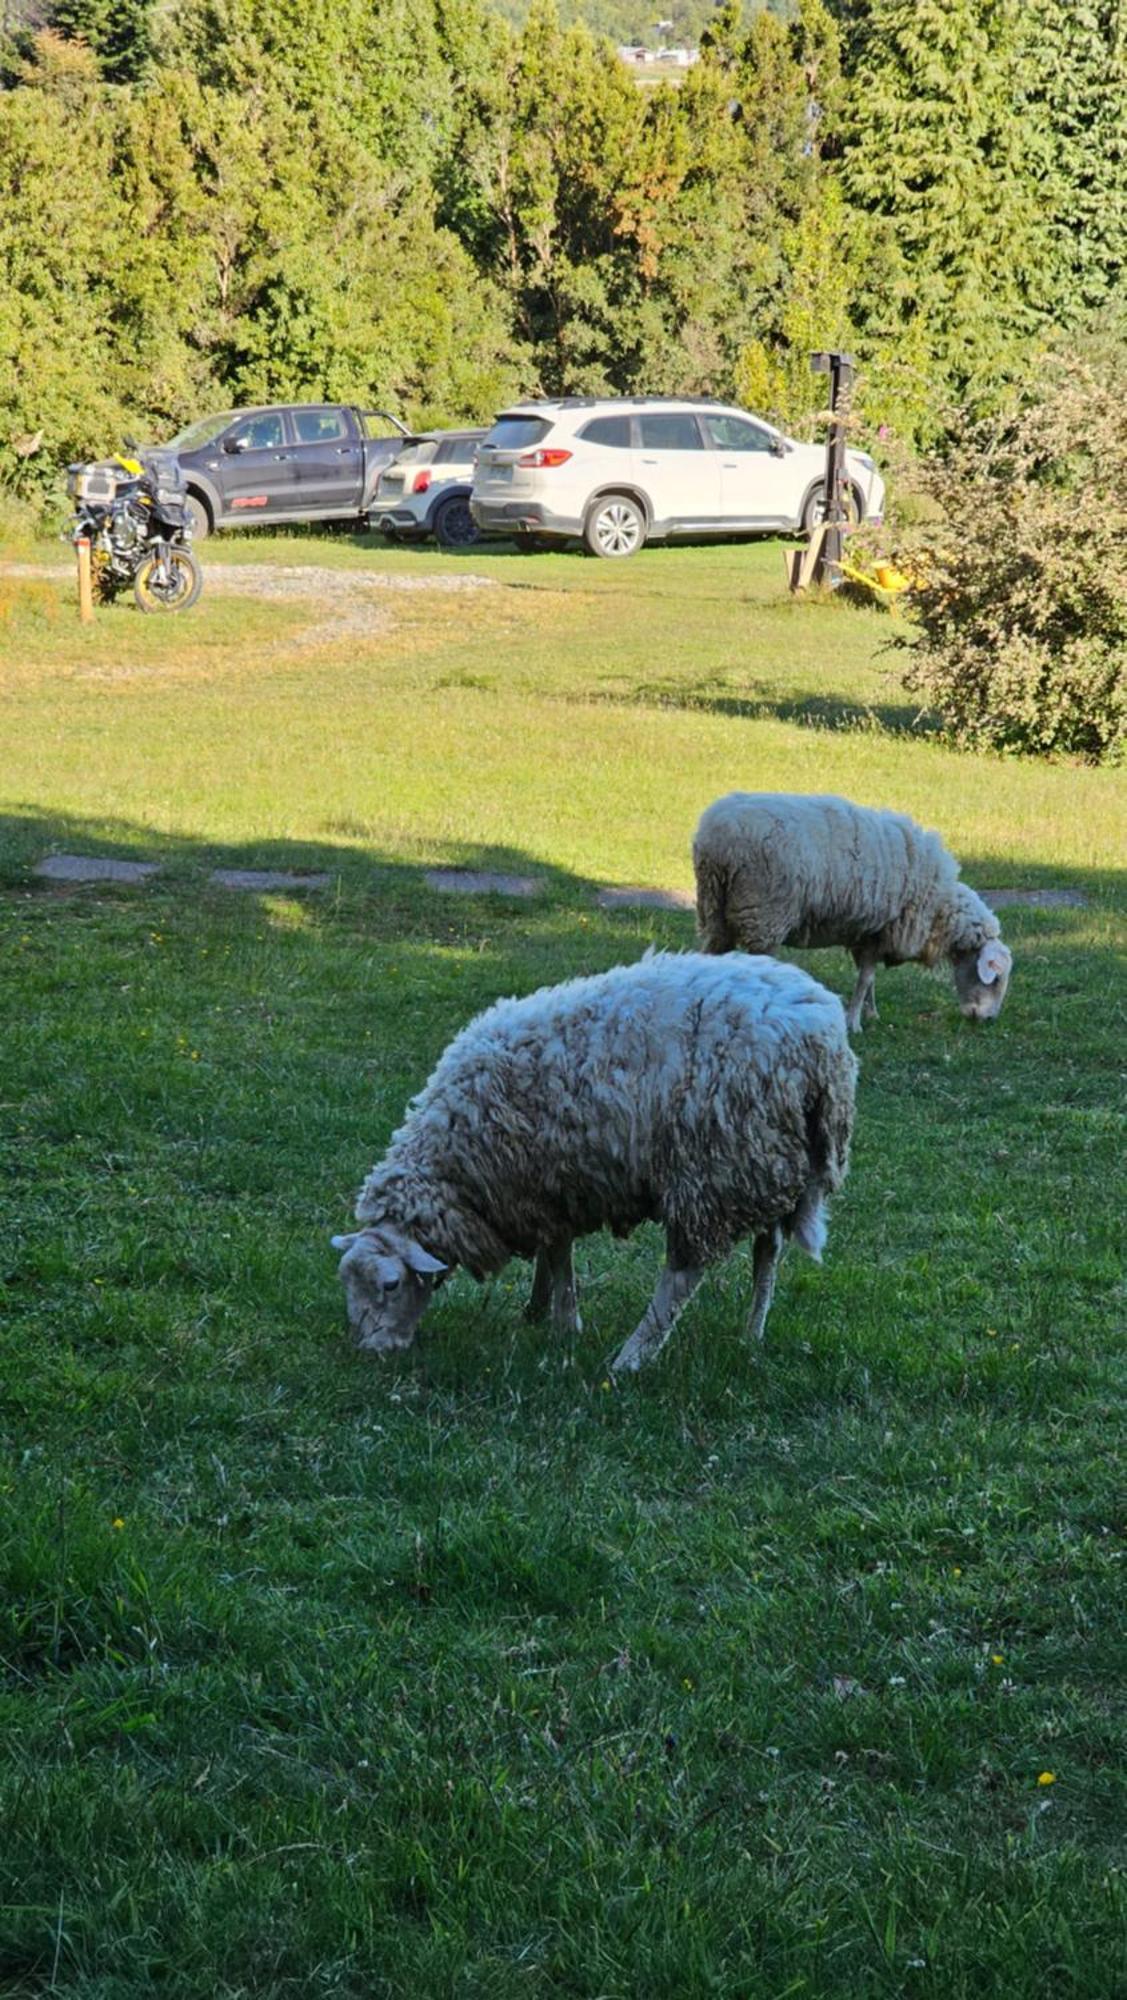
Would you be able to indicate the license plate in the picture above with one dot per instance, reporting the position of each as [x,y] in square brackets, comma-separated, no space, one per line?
[500,475]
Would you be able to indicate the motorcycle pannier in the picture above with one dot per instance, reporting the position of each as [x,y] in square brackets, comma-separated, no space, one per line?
[92,482]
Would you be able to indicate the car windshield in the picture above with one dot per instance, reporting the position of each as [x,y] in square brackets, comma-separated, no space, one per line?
[202,431]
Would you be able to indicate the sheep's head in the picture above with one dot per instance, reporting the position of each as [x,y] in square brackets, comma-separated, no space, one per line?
[981,978]
[388,1280]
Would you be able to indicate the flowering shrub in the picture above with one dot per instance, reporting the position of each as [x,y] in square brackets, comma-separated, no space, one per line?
[1020,638]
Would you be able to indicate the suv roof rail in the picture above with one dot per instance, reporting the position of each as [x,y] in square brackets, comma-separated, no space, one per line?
[634,402]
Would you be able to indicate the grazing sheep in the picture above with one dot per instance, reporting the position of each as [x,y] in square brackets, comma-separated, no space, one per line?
[775,868]
[712,1096]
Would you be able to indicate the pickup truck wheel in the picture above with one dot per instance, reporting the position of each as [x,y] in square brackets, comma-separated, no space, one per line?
[199,518]
[454,526]
[615,526]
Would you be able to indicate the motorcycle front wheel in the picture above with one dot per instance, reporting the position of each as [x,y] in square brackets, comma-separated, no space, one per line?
[171,581]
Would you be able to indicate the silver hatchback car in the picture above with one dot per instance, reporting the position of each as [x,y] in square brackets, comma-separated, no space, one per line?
[425,490]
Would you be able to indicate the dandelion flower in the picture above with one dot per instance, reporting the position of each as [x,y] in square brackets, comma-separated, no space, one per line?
[997,1658]
[117,1522]
[1047,1778]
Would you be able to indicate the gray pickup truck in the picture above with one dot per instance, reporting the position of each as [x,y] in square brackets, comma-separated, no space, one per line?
[284,462]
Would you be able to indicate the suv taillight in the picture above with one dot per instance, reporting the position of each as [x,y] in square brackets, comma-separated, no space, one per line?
[422,481]
[544,458]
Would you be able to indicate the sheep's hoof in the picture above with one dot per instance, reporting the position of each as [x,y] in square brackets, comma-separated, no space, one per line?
[627,1363]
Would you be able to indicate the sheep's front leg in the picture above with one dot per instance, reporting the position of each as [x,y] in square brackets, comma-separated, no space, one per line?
[862,1003]
[768,1250]
[553,1288]
[674,1289]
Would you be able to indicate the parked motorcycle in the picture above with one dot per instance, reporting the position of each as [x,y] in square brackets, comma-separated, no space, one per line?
[134,515]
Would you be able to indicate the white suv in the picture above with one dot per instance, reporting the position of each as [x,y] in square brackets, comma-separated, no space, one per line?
[622,471]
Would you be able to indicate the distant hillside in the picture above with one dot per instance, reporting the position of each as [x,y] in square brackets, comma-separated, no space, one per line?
[637,20]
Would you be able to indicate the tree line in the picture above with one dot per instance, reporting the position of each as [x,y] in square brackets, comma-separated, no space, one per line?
[426,206]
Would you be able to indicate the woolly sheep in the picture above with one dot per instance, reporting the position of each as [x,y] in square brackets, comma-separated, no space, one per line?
[775,868]
[712,1096]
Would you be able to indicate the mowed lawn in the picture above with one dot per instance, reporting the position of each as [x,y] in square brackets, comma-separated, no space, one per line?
[794,1672]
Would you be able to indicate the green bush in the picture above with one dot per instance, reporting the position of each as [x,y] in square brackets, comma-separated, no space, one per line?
[1021,630]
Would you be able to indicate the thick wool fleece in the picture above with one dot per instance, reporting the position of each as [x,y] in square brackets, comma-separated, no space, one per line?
[711,1095]
[775,868]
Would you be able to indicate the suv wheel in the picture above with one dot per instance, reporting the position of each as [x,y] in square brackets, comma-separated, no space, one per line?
[615,526]
[815,508]
[454,526]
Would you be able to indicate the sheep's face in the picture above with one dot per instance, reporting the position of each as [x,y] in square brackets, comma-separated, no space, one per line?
[981,979]
[388,1280]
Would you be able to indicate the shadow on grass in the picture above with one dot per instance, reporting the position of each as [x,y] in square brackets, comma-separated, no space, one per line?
[363,882]
[808,711]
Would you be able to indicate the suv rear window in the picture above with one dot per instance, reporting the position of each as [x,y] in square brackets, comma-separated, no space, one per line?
[516,433]
[673,430]
[420,453]
[607,430]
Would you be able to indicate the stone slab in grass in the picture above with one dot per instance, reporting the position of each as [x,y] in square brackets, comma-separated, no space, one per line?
[93,868]
[267,878]
[477,882]
[1045,899]
[646,899]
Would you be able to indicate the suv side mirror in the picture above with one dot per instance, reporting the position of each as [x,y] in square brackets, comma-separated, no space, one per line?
[778,448]
[240,443]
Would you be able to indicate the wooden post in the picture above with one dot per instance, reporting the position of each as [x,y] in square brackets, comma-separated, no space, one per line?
[839,368]
[85,581]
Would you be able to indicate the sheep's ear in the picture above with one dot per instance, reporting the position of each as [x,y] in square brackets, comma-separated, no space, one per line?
[994,959]
[420,1260]
[341,1242]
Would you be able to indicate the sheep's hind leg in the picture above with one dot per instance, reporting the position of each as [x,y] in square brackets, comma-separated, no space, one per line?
[768,1250]
[553,1288]
[862,1004]
[674,1289]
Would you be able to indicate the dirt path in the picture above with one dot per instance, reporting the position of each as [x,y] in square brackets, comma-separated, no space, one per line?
[355,603]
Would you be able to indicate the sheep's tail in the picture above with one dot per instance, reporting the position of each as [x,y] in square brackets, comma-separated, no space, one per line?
[713,929]
[810,1227]
[829,1128]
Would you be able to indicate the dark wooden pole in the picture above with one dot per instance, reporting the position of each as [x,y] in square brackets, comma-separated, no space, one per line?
[839,368]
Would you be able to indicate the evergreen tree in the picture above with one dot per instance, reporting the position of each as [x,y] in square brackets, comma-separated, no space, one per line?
[118,32]
[935,148]
[1075,77]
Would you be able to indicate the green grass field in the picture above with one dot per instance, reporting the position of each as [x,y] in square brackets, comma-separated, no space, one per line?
[467,1674]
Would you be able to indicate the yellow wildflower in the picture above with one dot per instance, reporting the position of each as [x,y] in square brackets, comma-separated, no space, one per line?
[1047,1778]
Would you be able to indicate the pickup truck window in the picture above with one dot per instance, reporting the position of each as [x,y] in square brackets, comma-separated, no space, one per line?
[319,426]
[263,433]
[201,432]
